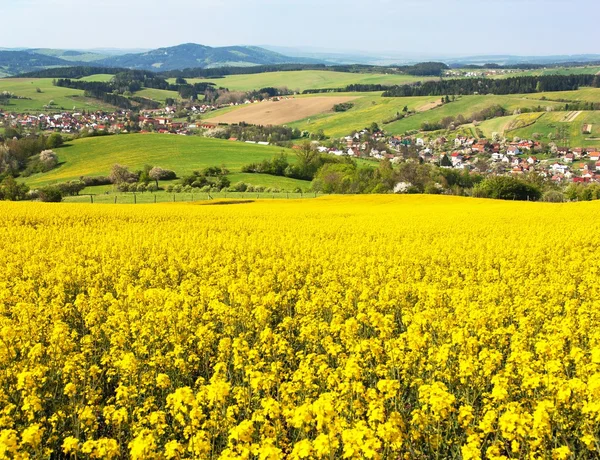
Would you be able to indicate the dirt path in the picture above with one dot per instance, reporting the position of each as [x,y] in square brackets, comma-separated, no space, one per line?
[284,111]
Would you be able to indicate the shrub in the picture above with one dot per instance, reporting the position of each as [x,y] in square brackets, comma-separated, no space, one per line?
[554,196]
[51,194]
[507,188]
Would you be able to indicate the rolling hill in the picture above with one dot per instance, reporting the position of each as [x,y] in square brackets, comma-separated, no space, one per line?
[95,156]
[191,55]
[18,62]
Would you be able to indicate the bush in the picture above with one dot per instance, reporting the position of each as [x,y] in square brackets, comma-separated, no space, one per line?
[54,141]
[50,194]
[554,196]
[94,181]
[507,188]
[157,174]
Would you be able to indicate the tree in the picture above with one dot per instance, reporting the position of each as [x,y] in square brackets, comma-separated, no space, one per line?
[50,194]
[507,188]
[445,161]
[120,174]
[11,190]
[48,160]
[54,141]
[157,174]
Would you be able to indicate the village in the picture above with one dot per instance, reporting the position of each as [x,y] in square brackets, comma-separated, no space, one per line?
[498,156]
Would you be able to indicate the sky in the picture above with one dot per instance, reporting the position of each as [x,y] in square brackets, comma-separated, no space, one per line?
[399,27]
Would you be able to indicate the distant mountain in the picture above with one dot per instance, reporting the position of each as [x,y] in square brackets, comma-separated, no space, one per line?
[70,55]
[17,62]
[190,55]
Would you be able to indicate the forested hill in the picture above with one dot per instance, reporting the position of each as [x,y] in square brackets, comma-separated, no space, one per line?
[18,62]
[191,55]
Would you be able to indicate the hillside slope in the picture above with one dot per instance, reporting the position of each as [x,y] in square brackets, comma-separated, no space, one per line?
[191,55]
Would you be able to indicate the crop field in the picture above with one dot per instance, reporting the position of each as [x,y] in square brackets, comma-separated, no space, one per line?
[336,327]
[101,77]
[95,156]
[374,108]
[281,112]
[582,94]
[306,79]
[64,99]
[549,123]
[158,95]
[368,108]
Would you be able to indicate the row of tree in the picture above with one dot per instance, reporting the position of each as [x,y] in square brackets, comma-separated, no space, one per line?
[512,85]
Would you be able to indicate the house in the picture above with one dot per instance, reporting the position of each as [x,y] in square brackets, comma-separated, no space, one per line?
[513,150]
[569,157]
[532,160]
[456,158]
[480,146]
[594,156]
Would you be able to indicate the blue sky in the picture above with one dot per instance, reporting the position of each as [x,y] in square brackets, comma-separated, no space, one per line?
[413,27]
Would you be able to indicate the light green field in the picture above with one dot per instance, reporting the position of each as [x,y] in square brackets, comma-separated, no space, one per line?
[374,108]
[95,156]
[306,79]
[158,95]
[505,125]
[582,94]
[367,109]
[549,123]
[165,197]
[585,70]
[101,77]
[65,99]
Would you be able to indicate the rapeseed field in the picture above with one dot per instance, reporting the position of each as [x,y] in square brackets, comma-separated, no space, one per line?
[374,327]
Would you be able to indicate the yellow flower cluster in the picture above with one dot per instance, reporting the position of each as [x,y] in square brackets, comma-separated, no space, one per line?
[341,327]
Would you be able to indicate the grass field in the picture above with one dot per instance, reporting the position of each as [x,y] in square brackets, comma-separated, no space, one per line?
[95,157]
[374,108]
[582,94]
[306,79]
[101,77]
[370,107]
[548,123]
[555,71]
[158,95]
[65,99]
[281,112]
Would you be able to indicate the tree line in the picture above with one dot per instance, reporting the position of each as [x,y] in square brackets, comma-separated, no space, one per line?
[500,86]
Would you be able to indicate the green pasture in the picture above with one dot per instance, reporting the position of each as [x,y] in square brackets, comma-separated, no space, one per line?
[306,79]
[95,156]
[64,99]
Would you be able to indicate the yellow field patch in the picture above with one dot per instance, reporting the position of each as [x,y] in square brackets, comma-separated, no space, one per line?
[379,327]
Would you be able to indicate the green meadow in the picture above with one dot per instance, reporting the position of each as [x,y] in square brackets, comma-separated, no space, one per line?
[62,99]
[95,156]
[307,79]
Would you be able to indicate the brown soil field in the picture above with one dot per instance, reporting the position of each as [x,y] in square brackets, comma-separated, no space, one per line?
[429,106]
[278,113]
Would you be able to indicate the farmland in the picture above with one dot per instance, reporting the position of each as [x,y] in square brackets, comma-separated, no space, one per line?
[549,122]
[64,99]
[95,156]
[281,112]
[307,79]
[337,327]
[374,108]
